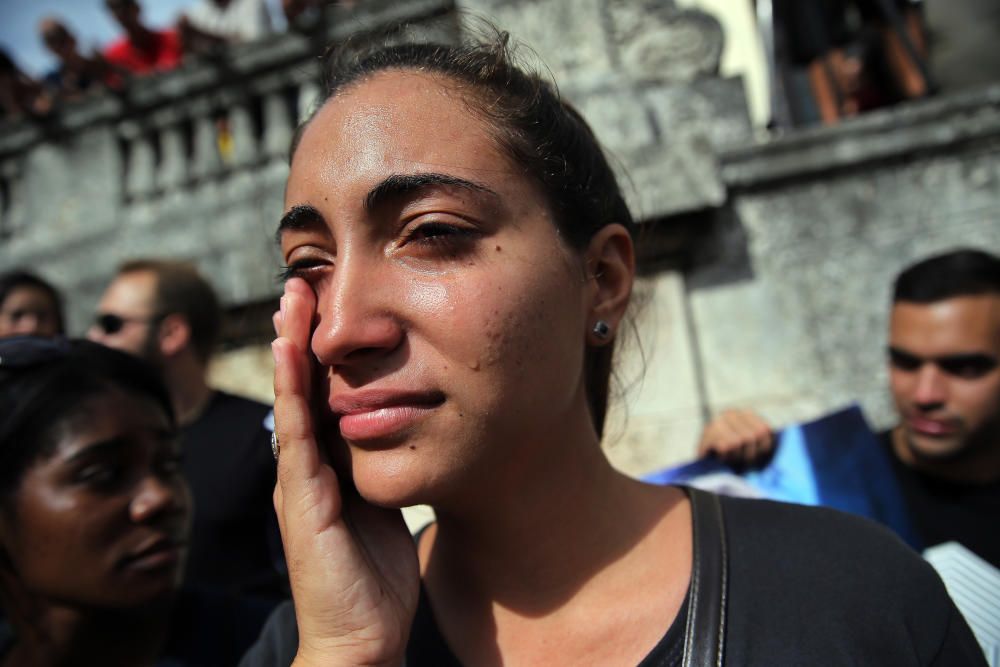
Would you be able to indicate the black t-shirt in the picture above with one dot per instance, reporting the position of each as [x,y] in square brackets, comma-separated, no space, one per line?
[807,586]
[235,542]
[944,511]
[428,647]
[206,630]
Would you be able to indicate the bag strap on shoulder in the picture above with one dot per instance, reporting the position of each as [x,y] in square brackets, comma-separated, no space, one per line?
[705,634]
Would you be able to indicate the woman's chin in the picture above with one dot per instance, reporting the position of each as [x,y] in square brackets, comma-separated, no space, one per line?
[393,479]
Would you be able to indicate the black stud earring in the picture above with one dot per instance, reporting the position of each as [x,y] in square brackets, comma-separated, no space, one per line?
[602,330]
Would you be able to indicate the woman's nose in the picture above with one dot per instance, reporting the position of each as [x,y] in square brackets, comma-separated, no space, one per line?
[357,318]
[155,495]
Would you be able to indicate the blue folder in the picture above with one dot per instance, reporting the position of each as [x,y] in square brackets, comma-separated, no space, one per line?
[835,461]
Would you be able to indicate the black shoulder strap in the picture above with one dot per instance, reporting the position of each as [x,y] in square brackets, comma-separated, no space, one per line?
[705,634]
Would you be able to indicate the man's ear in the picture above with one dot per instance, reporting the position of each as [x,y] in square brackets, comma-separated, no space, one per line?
[174,334]
[610,266]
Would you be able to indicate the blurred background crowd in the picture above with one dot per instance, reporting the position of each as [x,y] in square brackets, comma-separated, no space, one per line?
[824,59]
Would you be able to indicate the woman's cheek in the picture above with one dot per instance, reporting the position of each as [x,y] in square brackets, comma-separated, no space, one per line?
[429,298]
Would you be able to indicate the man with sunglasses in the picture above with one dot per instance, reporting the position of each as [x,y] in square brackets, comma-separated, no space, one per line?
[166,312]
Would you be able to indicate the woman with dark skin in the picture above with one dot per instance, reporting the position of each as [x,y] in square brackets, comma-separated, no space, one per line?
[460,262]
[29,306]
[94,516]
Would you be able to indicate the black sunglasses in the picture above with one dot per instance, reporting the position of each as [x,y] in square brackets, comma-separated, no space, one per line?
[110,323]
[19,352]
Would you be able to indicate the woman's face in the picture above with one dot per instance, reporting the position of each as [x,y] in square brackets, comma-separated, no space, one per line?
[103,521]
[451,318]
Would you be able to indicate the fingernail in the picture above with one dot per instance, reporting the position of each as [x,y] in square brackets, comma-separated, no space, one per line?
[274,351]
[281,307]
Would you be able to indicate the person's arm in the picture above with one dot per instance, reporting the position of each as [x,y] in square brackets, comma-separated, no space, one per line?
[352,566]
[737,436]
[196,40]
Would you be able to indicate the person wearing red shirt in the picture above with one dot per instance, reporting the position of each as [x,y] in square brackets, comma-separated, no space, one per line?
[141,50]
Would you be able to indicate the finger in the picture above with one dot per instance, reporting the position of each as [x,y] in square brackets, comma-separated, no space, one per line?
[298,306]
[299,459]
[292,420]
[279,510]
[756,433]
[750,422]
[278,317]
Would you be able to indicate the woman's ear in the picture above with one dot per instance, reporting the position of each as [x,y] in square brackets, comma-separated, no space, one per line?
[610,266]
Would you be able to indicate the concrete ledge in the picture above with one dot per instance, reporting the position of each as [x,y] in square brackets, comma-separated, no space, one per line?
[936,125]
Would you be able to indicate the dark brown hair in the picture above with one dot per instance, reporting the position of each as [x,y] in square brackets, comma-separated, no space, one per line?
[39,399]
[537,129]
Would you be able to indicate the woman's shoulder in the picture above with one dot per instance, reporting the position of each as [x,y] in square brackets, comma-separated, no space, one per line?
[841,587]
[823,535]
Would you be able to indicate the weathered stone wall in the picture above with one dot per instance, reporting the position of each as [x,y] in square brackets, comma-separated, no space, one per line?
[792,320]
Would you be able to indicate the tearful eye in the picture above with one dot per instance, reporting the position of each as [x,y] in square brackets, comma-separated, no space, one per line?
[443,237]
[301,268]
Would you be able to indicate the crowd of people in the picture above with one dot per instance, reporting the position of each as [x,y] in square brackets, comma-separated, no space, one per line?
[459,263]
[203,29]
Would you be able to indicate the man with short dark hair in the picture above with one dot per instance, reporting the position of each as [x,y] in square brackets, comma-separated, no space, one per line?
[944,369]
[166,313]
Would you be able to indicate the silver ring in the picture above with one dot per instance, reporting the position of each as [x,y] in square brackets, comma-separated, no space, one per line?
[275,447]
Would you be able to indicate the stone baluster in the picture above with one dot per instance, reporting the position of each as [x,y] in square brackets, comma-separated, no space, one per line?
[173,158]
[309,93]
[207,161]
[6,201]
[277,124]
[140,177]
[244,141]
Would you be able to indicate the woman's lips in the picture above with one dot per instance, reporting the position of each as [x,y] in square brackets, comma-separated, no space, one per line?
[163,553]
[374,415]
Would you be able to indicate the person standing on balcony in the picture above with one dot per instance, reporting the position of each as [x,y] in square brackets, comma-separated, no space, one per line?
[142,50]
[77,74]
[214,23]
[20,95]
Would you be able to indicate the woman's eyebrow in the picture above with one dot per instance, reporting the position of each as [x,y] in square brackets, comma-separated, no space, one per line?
[400,185]
[302,216]
[112,447]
